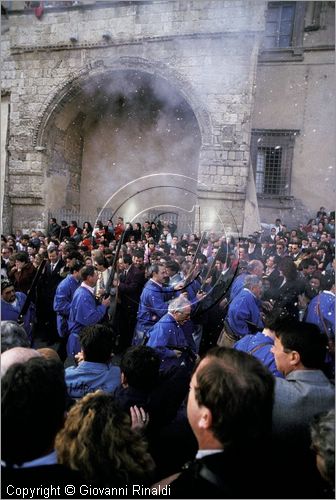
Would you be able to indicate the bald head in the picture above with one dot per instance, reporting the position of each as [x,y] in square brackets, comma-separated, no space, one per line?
[17,355]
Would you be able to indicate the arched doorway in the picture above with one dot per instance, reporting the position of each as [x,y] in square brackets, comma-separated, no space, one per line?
[119,126]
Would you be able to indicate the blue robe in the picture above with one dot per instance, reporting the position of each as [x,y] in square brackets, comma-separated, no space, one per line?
[192,290]
[264,353]
[62,300]
[153,305]
[321,312]
[89,377]
[83,312]
[11,312]
[237,285]
[168,332]
[244,307]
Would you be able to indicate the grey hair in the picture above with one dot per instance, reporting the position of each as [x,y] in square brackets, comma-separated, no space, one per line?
[254,264]
[13,335]
[251,281]
[322,432]
[178,304]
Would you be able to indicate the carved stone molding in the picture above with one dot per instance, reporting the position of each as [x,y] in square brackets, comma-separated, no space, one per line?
[71,88]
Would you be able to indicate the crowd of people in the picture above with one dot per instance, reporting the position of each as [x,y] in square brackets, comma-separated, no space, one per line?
[147,363]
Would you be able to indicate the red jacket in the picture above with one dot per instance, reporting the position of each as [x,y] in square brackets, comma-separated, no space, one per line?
[119,228]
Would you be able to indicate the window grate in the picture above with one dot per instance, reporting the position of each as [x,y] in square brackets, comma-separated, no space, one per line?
[272,153]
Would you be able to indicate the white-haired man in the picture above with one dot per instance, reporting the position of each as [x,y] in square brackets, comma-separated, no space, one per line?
[169,339]
[244,313]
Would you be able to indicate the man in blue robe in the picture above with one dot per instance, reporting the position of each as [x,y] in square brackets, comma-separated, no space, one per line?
[153,302]
[11,305]
[260,344]
[254,267]
[321,309]
[321,312]
[63,298]
[244,311]
[96,370]
[169,339]
[84,309]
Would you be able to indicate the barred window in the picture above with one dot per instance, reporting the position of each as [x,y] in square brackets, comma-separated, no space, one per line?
[279,24]
[272,155]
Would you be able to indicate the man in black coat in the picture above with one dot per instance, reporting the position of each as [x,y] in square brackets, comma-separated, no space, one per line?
[265,249]
[176,245]
[53,228]
[45,293]
[253,249]
[230,412]
[131,283]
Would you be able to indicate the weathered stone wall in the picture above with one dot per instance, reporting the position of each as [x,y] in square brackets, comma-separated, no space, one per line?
[64,153]
[5,206]
[207,50]
[297,95]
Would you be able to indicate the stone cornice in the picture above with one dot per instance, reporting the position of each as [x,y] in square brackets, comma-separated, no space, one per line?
[26,199]
[319,47]
[72,86]
[80,7]
[31,173]
[289,54]
[216,194]
[20,49]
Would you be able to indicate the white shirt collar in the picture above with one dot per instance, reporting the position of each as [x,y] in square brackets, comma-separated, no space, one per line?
[283,282]
[90,288]
[159,284]
[204,453]
[329,292]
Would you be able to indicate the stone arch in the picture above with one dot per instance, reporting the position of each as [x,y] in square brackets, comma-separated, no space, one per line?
[78,108]
[72,87]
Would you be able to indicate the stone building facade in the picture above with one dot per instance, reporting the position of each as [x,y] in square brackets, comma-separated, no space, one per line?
[157,105]
[293,88]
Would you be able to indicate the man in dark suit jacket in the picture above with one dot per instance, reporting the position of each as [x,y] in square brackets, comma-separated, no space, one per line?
[253,249]
[299,351]
[272,238]
[265,249]
[46,290]
[176,245]
[53,228]
[131,283]
[231,442]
